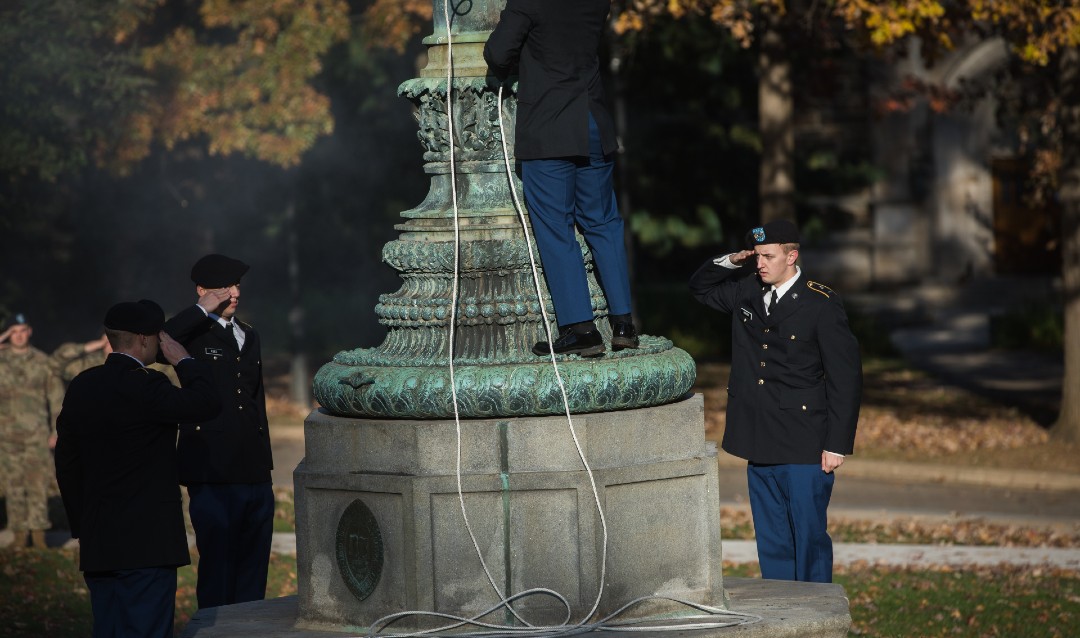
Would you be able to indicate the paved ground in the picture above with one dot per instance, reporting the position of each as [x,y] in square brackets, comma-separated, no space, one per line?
[875,554]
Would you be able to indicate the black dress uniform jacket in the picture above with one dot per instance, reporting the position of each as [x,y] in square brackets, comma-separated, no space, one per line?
[234,447]
[554,45]
[116,461]
[796,376]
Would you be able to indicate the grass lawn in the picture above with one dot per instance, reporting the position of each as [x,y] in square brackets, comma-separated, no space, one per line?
[42,594]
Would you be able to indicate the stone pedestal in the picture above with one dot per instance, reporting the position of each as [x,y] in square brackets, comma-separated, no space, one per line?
[380,527]
[785,609]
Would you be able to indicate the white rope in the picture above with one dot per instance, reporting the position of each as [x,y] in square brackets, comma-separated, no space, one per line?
[454,305]
[673,622]
[554,363]
[495,630]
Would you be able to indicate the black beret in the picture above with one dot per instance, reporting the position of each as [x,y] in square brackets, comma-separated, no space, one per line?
[218,271]
[142,317]
[778,231]
[19,320]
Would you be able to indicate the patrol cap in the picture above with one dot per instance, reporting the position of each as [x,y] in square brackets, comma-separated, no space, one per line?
[142,317]
[19,320]
[778,231]
[217,271]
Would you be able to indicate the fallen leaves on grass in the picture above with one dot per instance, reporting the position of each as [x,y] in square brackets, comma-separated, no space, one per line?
[42,593]
[941,434]
[968,602]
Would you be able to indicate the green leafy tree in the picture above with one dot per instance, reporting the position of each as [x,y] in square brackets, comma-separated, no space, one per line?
[102,82]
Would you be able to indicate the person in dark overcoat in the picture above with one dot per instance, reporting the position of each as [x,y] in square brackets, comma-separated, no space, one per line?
[225,462]
[117,471]
[565,141]
[793,394]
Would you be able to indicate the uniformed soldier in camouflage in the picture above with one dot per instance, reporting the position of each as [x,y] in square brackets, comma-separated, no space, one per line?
[30,398]
[72,358]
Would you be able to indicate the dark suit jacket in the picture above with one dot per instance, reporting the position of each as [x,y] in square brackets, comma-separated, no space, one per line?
[796,375]
[233,447]
[116,461]
[554,45]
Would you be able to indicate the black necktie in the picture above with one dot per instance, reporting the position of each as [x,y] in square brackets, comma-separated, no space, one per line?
[772,301]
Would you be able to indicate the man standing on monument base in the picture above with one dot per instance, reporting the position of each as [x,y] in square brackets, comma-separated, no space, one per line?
[565,139]
[793,395]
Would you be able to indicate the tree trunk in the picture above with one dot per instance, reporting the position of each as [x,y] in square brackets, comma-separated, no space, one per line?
[1067,427]
[299,374]
[776,118]
[618,68]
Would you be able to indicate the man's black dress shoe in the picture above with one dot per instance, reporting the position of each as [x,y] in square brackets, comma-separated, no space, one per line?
[623,335]
[588,344]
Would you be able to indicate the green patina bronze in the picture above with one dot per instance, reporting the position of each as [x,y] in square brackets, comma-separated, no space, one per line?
[498,315]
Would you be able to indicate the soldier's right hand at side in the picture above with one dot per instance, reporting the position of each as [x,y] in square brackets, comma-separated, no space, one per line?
[172,350]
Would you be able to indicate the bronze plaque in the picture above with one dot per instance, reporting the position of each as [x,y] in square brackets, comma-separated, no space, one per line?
[359,549]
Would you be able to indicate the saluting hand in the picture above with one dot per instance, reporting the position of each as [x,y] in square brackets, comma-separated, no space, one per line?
[171,349]
[96,344]
[742,258]
[213,300]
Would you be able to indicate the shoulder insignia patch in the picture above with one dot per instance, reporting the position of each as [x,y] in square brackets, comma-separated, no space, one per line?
[820,288]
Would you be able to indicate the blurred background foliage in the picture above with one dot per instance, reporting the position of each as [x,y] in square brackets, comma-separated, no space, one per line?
[140,134]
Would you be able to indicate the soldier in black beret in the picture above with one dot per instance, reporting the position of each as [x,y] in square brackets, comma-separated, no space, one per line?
[116,465]
[793,395]
[225,462]
[143,317]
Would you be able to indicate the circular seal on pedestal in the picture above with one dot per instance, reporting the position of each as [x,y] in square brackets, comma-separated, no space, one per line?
[359,549]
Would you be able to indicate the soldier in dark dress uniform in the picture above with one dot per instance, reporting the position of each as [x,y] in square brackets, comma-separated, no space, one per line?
[225,462]
[117,469]
[793,395]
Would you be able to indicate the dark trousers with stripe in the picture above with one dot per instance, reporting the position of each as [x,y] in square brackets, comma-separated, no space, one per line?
[562,193]
[789,504]
[133,602]
[234,527]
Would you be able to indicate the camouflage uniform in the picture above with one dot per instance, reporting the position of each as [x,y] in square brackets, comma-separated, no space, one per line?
[30,398]
[72,358]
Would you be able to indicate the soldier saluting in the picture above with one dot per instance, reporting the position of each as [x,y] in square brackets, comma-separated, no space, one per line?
[30,399]
[225,462]
[793,395]
[116,465]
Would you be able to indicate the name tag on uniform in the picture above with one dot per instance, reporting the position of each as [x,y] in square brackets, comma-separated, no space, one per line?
[746,315]
[214,352]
